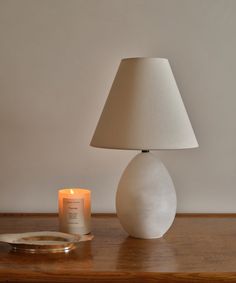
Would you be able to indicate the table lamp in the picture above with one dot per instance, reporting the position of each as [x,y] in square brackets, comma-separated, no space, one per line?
[144,111]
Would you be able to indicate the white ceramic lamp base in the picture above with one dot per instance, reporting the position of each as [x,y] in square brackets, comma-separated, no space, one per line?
[146,198]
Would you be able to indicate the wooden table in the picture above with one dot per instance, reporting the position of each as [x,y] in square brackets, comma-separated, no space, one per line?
[197,248]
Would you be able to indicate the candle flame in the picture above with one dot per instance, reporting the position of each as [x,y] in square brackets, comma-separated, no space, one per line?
[71,191]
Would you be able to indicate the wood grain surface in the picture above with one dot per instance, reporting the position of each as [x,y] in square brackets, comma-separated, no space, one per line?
[197,248]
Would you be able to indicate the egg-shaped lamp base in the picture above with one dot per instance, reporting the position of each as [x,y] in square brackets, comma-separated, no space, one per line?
[146,198]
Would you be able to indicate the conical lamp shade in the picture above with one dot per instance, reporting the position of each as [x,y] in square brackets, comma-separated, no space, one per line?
[144,109]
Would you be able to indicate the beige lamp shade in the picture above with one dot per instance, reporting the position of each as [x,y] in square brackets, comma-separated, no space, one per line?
[144,109]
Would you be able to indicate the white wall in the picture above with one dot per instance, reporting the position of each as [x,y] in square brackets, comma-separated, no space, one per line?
[57,62]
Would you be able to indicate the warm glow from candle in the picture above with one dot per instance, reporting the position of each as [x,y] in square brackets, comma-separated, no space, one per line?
[74,210]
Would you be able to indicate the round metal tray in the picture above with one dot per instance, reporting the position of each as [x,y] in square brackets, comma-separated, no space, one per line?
[41,242]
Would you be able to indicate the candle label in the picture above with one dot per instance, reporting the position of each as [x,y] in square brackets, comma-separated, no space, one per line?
[74,211]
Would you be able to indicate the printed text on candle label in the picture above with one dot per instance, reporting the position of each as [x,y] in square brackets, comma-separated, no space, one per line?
[74,211]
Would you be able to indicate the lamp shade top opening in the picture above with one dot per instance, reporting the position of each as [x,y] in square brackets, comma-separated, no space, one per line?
[144,109]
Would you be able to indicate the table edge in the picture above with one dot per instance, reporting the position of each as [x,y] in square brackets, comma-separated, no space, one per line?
[124,276]
[53,214]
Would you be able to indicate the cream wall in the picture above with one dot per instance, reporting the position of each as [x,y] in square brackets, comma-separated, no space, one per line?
[57,63]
